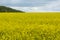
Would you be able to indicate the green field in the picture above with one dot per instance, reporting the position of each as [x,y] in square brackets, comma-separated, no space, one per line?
[30,26]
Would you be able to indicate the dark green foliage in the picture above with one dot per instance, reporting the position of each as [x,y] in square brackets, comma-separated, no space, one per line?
[7,9]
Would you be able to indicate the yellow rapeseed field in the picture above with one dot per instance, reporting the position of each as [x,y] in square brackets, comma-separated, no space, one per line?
[30,26]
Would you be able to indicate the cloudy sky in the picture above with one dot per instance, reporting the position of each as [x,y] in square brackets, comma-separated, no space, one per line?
[32,5]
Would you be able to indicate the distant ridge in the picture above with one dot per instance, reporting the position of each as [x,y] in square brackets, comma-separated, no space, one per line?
[8,9]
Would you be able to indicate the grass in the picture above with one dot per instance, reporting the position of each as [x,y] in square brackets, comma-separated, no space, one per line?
[30,26]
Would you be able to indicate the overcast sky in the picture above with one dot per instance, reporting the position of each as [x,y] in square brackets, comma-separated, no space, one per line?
[33,5]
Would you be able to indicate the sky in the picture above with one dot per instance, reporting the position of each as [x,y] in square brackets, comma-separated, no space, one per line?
[32,5]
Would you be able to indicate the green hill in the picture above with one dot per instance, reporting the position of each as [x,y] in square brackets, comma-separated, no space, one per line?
[8,9]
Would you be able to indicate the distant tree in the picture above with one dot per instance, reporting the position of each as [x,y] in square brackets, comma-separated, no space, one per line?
[8,9]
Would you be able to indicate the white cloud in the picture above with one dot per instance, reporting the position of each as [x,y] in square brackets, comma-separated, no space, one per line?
[10,2]
[25,2]
[52,6]
[15,1]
